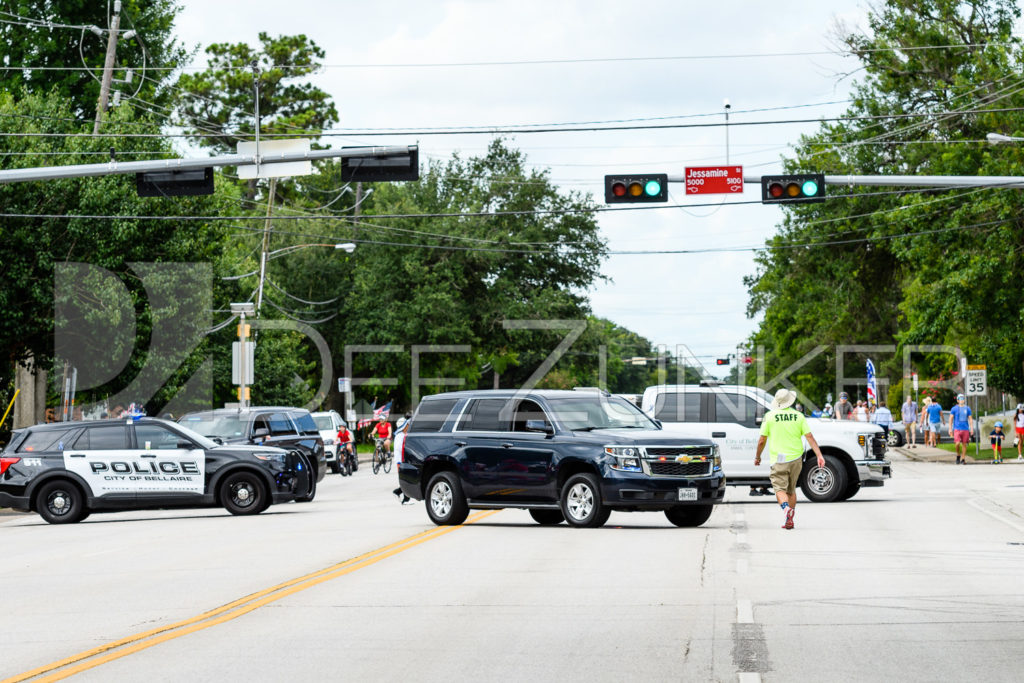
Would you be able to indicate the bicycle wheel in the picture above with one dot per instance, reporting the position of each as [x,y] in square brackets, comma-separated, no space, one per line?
[387,462]
[376,460]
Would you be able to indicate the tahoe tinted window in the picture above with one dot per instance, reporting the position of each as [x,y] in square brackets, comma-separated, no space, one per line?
[527,410]
[306,423]
[486,415]
[277,424]
[432,415]
[677,407]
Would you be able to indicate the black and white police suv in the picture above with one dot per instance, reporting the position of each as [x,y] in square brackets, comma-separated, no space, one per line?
[67,470]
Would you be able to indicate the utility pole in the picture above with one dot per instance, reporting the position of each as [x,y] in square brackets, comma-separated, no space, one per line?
[108,66]
[266,245]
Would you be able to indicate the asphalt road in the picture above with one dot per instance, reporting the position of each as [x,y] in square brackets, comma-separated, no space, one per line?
[916,581]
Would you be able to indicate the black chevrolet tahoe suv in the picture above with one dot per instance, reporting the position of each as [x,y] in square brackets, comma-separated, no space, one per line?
[563,455]
[281,427]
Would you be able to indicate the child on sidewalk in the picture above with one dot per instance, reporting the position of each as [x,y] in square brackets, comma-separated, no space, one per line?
[996,437]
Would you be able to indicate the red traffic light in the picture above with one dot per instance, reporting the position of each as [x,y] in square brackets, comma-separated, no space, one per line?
[632,189]
[786,189]
[722,361]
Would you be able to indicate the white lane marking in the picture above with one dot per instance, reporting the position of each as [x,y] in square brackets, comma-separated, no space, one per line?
[741,538]
[741,566]
[744,612]
[993,515]
[749,677]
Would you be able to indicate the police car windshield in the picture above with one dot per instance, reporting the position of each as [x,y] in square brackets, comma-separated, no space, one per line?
[324,422]
[599,412]
[224,426]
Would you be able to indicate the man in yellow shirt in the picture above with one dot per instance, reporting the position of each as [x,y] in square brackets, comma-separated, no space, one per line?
[786,429]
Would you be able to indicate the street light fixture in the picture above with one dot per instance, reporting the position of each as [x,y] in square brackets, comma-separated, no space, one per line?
[997,138]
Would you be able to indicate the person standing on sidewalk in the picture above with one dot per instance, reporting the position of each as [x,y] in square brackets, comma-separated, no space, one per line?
[786,429]
[996,437]
[908,412]
[883,418]
[934,416]
[1018,426]
[961,424]
[844,409]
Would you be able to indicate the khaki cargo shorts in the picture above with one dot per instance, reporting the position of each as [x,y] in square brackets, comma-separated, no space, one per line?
[784,475]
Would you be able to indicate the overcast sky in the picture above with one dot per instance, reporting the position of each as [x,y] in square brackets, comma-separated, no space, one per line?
[706,52]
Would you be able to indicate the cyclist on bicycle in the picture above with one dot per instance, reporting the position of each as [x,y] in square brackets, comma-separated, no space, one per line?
[346,444]
[383,432]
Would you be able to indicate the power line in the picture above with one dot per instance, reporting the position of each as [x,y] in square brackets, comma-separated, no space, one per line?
[592,60]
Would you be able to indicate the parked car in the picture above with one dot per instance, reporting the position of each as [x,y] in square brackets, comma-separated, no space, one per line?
[329,422]
[67,470]
[283,427]
[563,455]
[730,415]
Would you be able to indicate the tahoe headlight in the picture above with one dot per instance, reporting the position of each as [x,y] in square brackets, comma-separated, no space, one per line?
[626,458]
[716,457]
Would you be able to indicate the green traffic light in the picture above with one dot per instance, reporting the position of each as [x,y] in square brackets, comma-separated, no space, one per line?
[652,188]
[809,188]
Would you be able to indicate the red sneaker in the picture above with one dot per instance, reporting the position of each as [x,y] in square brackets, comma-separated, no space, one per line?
[789,519]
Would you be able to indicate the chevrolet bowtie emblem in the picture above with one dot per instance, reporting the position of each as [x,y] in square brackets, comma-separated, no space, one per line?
[682,458]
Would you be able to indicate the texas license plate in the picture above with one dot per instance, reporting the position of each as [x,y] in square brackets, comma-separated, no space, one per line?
[687,494]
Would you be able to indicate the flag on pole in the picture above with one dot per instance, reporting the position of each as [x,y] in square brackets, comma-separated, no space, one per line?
[872,393]
[384,411]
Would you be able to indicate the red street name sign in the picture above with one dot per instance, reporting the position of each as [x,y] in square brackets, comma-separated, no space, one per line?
[714,180]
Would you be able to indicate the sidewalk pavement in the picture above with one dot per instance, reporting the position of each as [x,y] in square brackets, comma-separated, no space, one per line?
[928,454]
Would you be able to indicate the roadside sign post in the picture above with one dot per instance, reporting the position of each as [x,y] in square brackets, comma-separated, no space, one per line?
[975,384]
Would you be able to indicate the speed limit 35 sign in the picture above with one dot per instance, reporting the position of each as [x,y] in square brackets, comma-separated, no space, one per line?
[975,383]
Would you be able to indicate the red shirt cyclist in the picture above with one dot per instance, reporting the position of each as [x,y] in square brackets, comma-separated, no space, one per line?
[382,431]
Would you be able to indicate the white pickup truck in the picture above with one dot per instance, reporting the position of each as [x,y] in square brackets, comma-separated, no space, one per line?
[730,415]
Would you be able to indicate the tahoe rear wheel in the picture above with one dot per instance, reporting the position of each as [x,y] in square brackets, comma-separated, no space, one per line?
[581,502]
[689,515]
[547,517]
[446,504]
[895,439]
[823,484]
[242,493]
[60,502]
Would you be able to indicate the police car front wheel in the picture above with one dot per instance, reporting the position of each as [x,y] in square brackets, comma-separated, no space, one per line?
[242,493]
[61,502]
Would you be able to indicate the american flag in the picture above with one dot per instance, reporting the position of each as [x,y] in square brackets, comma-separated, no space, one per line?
[872,397]
[384,411]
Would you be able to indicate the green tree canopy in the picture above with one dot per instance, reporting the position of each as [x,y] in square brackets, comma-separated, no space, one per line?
[908,267]
[45,44]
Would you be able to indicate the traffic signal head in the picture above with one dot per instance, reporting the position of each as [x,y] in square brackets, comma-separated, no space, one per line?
[792,189]
[633,189]
[721,361]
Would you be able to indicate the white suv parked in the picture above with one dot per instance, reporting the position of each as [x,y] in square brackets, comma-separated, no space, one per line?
[328,423]
[730,415]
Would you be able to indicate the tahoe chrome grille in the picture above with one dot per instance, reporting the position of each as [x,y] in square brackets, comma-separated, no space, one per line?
[673,451]
[671,468]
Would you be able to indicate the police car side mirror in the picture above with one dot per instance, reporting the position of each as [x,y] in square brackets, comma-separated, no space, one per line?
[260,433]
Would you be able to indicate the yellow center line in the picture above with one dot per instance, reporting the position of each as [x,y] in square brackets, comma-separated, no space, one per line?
[141,641]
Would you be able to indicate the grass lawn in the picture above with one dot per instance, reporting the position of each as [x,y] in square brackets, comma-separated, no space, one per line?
[986,450]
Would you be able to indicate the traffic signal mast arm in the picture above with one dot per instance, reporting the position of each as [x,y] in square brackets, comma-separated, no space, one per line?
[16,175]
